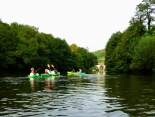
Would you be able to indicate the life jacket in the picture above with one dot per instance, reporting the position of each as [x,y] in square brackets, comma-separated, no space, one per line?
[52,72]
[46,71]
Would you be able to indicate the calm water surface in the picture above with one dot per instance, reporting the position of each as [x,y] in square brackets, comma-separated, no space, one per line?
[91,95]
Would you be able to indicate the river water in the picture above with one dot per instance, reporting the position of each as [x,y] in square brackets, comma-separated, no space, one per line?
[92,95]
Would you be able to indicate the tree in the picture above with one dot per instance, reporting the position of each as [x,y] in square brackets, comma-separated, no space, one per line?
[113,42]
[145,12]
[144,55]
[82,58]
[8,42]
[60,54]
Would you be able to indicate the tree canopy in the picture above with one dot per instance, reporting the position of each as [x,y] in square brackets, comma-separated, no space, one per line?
[132,49]
[23,47]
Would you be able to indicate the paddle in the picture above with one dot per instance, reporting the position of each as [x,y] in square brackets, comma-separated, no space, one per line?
[38,69]
[48,65]
[35,72]
[55,69]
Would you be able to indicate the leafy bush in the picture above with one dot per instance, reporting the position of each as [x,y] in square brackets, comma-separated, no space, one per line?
[144,54]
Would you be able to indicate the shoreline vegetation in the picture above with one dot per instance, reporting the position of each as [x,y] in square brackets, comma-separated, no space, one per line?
[23,47]
[133,49]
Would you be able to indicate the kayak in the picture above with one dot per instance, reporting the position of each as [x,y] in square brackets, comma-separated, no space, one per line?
[33,76]
[48,75]
[43,75]
[75,73]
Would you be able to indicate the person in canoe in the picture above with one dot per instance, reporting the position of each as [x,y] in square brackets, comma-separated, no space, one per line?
[54,71]
[80,70]
[34,72]
[73,70]
[48,70]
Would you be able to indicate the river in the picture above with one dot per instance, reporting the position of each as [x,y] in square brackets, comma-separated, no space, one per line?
[91,95]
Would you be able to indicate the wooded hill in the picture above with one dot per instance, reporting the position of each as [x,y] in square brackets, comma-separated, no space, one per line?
[100,55]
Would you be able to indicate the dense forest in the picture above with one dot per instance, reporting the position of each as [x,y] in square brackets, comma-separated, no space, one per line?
[134,48]
[23,47]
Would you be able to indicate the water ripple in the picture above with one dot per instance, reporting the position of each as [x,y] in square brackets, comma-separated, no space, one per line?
[89,96]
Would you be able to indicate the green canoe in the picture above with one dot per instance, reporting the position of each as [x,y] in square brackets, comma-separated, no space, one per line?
[48,75]
[33,76]
[75,73]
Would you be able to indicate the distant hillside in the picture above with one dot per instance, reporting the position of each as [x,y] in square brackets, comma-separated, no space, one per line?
[100,55]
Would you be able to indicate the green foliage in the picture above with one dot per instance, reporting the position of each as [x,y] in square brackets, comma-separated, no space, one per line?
[8,42]
[144,54]
[100,54]
[124,51]
[60,54]
[113,42]
[82,58]
[145,12]
[22,47]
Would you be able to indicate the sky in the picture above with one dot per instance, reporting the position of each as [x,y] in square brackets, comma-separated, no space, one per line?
[86,23]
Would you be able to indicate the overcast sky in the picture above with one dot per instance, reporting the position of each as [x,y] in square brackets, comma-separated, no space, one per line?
[87,23]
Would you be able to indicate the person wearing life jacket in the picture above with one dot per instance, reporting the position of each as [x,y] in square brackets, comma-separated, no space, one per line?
[73,70]
[80,70]
[53,72]
[32,71]
[46,71]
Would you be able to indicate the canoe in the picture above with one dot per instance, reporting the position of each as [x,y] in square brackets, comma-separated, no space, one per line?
[48,75]
[75,73]
[33,76]
[43,75]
